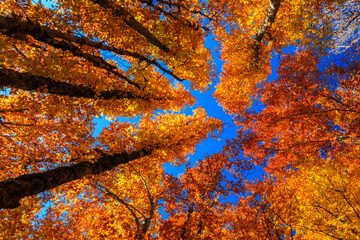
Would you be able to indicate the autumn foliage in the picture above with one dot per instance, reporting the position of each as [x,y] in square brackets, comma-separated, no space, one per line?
[66,64]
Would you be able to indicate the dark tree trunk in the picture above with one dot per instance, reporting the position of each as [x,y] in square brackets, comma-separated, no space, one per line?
[30,82]
[18,29]
[12,190]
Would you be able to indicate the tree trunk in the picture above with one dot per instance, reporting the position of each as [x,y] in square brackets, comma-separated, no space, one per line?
[30,82]
[12,190]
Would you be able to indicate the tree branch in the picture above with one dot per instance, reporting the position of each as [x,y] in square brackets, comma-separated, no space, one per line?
[171,15]
[132,22]
[153,204]
[83,41]
[183,228]
[144,183]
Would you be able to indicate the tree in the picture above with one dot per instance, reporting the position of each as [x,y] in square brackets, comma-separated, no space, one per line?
[309,112]
[250,32]
[345,19]
[326,195]
[59,55]
[265,213]
[307,138]
[65,63]
[62,67]
[195,202]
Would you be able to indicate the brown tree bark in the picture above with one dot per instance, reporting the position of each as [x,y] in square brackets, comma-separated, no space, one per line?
[30,82]
[12,190]
[18,29]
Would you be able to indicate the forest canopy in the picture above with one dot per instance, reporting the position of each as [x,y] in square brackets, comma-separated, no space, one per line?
[289,81]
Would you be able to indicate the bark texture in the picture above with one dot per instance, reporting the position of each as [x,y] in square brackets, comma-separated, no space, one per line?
[19,29]
[12,190]
[270,18]
[30,82]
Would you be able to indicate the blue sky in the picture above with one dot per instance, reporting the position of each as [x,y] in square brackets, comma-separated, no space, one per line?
[204,100]
[213,109]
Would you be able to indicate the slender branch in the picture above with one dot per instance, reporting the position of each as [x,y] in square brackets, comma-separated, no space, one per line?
[153,203]
[117,198]
[130,208]
[147,220]
[151,215]
[179,5]
[350,22]
[342,193]
[144,183]
[187,23]
[323,208]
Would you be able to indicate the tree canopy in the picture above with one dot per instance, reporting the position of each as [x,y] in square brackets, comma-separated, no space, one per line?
[64,64]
